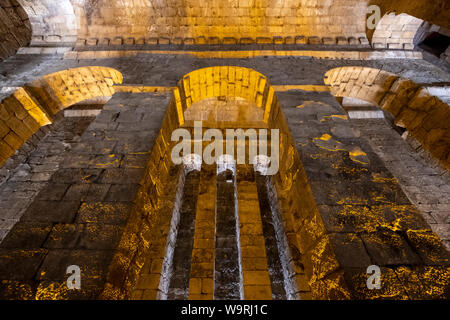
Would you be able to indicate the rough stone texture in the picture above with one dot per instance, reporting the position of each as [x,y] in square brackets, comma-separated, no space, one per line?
[15,28]
[182,257]
[436,12]
[227,266]
[30,170]
[413,107]
[201,286]
[272,245]
[106,23]
[79,218]
[52,22]
[113,202]
[258,280]
[424,185]
[359,203]
[36,104]
[396,31]
[235,21]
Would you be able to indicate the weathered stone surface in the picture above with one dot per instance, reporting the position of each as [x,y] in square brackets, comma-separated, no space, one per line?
[109,194]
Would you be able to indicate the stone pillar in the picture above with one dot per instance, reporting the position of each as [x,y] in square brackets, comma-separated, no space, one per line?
[227,273]
[201,286]
[182,255]
[255,269]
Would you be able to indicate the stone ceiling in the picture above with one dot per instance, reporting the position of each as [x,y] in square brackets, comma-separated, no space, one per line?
[107,21]
[220,18]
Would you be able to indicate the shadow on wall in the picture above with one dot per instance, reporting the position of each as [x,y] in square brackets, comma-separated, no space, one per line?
[35,104]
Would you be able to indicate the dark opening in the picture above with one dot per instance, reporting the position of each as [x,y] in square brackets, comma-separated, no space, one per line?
[435,43]
[391,120]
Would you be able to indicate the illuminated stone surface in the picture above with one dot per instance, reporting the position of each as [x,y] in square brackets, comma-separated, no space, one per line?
[86,178]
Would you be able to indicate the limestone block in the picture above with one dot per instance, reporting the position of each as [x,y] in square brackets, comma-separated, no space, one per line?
[151,41]
[92,42]
[394,46]
[301,40]
[363,41]
[314,40]
[229,40]
[189,41]
[117,41]
[246,41]
[327,41]
[163,40]
[343,41]
[129,41]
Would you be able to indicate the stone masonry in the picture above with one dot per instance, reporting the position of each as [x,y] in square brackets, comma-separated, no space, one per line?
[105,194]
[424,186]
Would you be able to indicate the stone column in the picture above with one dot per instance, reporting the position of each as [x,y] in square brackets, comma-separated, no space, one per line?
[228,273]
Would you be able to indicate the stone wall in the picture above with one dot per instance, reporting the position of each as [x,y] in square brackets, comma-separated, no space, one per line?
[101,22]
[413,107]
[396,32]
[228,21]
[436,12]
[118,192]
[80,217]
[52,22]
[147,69]
[357,215]
[36,104]
[15,28]
[424,184]
[27,173]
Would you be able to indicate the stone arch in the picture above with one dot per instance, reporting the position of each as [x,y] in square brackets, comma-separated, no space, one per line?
[15,28]
[396,31]
[35,104]
[197,86]
[422,114]
[435,12]
[52,22]
[217,82]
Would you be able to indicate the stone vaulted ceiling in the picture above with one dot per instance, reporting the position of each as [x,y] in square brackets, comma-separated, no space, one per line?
[114,21]
[220,18]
